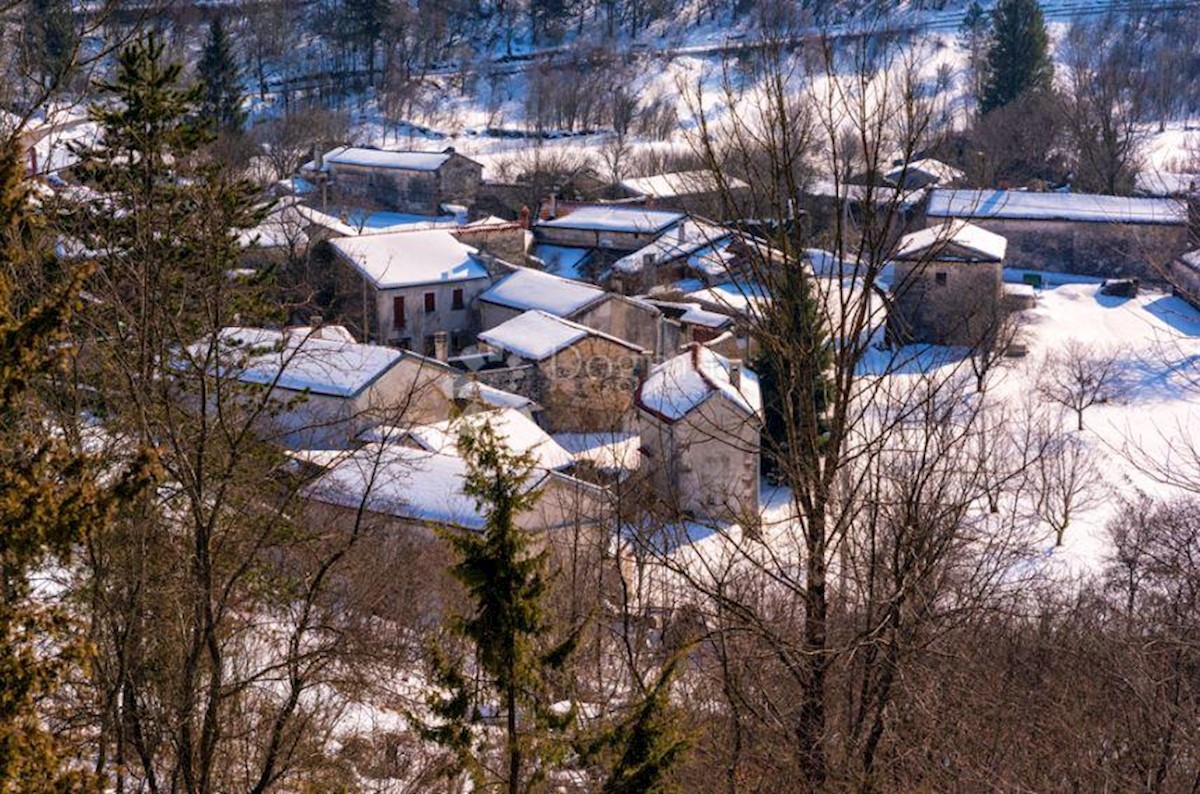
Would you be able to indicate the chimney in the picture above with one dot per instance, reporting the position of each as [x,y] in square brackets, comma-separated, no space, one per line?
[681,232]
[524,218]
[441,346]
[553,206]
[735,373]
[316,321]
[319,156]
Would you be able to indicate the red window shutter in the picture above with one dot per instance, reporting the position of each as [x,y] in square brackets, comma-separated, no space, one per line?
[398,312]
[430,302]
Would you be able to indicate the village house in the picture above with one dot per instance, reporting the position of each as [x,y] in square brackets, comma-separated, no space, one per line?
[924,173]
[1083,234]
[1184,275]
[584,380]
[690,249]
[700,416]
[689,191]
[416,182]
[525,289]
[410,289]
[947,285]
[326,387]
[607,227]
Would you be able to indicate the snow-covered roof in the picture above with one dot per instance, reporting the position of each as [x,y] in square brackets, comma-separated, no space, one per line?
[515,430]
[603,218]
[400,481]
[381,158]
[283,227]
[474,391]
[678,183]
[562,260]
[953,240]
[682,384]
[354,222]
[732,296]
[1024,205]
[880,194]
[296,360]
[406,259]
[694,315]
[934,170]
[526,289]
[1191,259]
[537,335]
[690,238]
[616,450]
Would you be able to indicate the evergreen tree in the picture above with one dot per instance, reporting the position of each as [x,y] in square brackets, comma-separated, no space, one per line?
[49,27]
[1018,60]
[505,580]
[973,36]
[221,78]
[649,744]
[50,498]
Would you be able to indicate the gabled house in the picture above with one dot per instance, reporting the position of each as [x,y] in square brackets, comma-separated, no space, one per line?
[525,289]
[325,388]
[701,418]
[410,289]
[583,379]
[1089,235]
[607,227]
[417,182]
[947,284]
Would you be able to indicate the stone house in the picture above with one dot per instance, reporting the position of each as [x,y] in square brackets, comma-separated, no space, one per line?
[584,380]
[947,285]
[326,387]
[525,289]
[408,288]
[701,417]
[1083,234]
[609,227]
[415,182]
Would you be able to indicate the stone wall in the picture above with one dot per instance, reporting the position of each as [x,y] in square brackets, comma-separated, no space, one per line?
[1101,250]
[590,386]
[402,190]
[952,303]
[634,321]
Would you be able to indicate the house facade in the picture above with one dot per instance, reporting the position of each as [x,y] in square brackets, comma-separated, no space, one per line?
[416,182]
[1087,235]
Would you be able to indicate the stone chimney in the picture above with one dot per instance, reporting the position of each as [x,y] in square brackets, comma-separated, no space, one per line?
[316,321]
[735,373]
[553,206]
[524,217]
[681,232]
[441,346]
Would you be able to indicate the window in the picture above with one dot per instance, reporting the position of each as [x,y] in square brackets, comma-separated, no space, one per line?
[398,312]
[430,302]
[456,300]
[430,346]
[939,278]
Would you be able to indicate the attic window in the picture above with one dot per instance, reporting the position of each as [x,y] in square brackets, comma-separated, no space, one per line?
[939,278]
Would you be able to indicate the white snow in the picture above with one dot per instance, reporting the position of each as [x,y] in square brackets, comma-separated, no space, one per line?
[294,360]
[515,430]
[534,335]
[381,158]
[526,289]
[736,297]
[935,170]
[406,259]
[678,183]
[616,219]
[562,260]
[688,238]
[979,243]
[612,451]
[682,384]
[1023,205]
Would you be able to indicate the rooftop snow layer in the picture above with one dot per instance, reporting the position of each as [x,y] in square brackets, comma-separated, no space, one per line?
[295,360]
[527,289]
[562,260]
[936,169]
[380,158]
[514,429]
[400,481]
[534,335]
[632,220]
[949,239]
[681,384]
[687,238]
[1023,205]
[404,259]
[679,183]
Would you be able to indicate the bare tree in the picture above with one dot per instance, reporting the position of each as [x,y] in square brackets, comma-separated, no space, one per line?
[1078,376]
[1066,483]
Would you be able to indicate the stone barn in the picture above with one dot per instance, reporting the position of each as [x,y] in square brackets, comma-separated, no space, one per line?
[1087,235]
[700,416]
[419,183]
[604,226]
[583,379]
[947,286]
